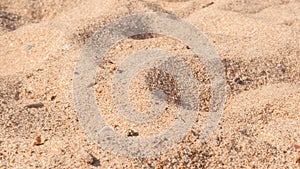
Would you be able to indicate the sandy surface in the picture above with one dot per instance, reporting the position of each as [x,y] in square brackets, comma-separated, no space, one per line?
[258,41]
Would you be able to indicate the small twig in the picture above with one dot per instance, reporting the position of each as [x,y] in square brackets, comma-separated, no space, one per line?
[207,5]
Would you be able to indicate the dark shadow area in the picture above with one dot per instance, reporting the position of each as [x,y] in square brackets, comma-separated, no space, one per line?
[9,21]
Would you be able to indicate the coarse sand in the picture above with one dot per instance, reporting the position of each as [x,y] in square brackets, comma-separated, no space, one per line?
[258,42]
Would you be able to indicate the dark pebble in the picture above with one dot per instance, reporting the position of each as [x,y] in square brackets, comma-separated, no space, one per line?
[238,81]
[132,133]
[35,105]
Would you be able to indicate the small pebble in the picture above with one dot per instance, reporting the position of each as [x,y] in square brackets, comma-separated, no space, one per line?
[238,81]
[28,47]
[66,46]
[86,157]
[39,140]
[132,133]
[118,48]
[35,105]
[174,161]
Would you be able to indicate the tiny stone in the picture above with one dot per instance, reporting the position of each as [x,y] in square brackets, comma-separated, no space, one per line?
[118,48]
[66,46]
[132,133]
[53,97]
[238,81]
[174,161]
[39,140]
[120,71]
[35,105]
[86,157]
[28,47]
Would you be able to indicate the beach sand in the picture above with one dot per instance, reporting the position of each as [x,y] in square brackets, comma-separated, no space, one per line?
[257,41]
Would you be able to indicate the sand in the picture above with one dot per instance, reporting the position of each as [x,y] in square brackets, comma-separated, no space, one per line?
[257,41]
